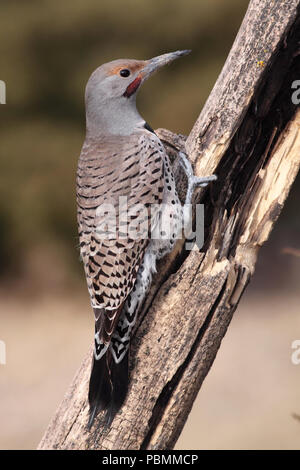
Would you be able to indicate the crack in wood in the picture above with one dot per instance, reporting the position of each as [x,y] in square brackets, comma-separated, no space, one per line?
[269,111]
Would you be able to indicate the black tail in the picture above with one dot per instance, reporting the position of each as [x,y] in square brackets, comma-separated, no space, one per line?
[108,387]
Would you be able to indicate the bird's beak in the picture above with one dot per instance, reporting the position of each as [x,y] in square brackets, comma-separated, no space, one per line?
[152,65]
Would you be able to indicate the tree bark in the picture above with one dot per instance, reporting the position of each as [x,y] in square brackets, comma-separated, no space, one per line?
[248,135]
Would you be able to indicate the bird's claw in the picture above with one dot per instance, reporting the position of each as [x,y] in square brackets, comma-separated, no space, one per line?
[193,181]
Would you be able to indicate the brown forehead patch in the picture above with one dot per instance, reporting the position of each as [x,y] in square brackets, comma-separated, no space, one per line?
[133,67]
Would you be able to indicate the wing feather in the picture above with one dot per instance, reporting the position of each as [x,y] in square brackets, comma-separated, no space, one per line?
[131,167]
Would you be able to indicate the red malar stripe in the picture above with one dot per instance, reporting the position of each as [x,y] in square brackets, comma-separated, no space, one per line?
[132,87]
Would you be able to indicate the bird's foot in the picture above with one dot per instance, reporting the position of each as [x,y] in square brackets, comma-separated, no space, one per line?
[193,181]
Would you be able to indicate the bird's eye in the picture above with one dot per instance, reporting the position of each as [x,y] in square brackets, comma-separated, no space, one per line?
[124,73]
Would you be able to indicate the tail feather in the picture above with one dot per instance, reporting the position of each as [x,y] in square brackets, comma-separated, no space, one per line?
[119,380]
[99,388]
[108,387]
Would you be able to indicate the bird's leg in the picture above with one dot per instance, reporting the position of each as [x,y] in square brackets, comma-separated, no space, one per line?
[193,181]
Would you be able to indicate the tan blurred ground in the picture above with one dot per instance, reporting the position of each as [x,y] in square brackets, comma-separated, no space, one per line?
[246,402]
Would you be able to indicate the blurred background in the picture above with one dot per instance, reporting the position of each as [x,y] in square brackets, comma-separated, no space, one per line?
[48,49]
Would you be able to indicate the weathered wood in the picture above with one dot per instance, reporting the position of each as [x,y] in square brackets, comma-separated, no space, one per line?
[248,134]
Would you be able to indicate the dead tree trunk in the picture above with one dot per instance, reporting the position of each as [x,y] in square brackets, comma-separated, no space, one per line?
[248,134]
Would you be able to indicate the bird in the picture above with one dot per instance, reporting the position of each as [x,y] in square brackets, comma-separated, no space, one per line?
[129,216]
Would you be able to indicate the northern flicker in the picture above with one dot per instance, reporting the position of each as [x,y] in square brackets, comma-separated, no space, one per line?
[123,165]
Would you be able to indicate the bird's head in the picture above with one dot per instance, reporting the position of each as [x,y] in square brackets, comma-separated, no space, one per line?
[111,92]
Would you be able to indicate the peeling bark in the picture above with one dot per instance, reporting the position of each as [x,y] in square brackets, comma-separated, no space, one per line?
[247,134]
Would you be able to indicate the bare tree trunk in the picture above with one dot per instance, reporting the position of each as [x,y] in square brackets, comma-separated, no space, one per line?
[248,134]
